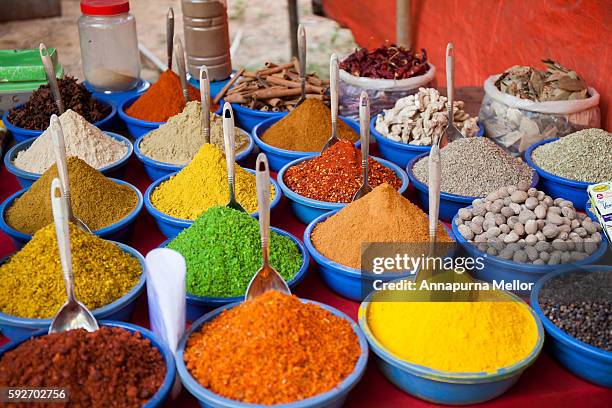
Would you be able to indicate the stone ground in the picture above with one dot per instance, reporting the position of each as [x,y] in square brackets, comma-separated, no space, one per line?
[264,25]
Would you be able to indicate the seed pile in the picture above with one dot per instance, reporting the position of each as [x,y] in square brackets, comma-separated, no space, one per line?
[585,155]
[579,303]
[109,367]
[335,175]
[525,225]
[37,111]
[178,140]
[474,167]
[32,284]
[274,349]
[203,184]
[306,128]
[381,216]
[95,199]
[222,250]
[81,138]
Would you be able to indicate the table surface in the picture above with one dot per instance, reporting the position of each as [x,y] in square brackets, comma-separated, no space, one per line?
[546,383]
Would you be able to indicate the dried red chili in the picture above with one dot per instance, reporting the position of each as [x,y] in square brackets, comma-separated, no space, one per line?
[335,175]
[387,62]
[272,350]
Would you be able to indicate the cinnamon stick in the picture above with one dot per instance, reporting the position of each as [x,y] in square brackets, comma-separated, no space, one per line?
[227,86]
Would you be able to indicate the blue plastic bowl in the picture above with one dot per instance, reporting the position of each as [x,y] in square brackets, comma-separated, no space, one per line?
[330,399]
[278,158]
[398,152]
[588,209]
[120,231]
[557,186]
[442,387]
[307,209]
[171,226]
[121,309]
[450,204]
[586,361]
[156,169]
[197,306]
[136,127]
[157,400]
[344,280]
[26,178]
[22,134]
[247,118]
[215,86]
[497,269]
[118,97]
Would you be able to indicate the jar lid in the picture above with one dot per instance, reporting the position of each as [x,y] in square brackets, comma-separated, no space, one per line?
[104,7]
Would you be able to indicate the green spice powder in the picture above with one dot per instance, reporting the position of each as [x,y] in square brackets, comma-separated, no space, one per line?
[222,250]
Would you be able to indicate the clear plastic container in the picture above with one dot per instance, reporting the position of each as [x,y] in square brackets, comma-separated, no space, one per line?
[109,46]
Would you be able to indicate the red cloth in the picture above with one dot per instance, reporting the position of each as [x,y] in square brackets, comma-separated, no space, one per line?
[546,383]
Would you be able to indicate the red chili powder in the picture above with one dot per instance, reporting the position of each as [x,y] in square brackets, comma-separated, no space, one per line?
[335,175]
[162,100]
[272,350]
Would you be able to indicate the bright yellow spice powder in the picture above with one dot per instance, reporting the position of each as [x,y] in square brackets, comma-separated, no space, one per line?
[32,284]
[455,336]
[203,184]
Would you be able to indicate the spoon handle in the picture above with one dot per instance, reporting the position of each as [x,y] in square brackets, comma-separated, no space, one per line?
[364,131]
[205,99]
[51,78]
[434,190]
[179,54]
[333,92]
[301,37]
[228,139]
[262,178]
[60,218]
[59,149]
[170,35]
[450,79]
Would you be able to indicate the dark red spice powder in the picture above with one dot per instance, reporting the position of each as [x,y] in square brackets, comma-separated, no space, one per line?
[335,175]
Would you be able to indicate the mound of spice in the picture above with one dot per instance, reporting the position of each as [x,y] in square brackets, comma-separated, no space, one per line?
[109,367]
[335,175]
[222,250]
[95,199]
[585,155]
[36,112]
[525,225]
[178,140]
[470,337]
[274,349]
[203,184]
[82,139]
[162,100]
[386,62]
[306,128]
[474,167]
[579,303]
[32,284]
[381,216]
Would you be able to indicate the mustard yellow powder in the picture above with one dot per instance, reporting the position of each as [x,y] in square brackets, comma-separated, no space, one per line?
[455,336]
[203,184]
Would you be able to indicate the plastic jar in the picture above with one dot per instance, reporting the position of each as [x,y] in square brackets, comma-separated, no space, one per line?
[109,47]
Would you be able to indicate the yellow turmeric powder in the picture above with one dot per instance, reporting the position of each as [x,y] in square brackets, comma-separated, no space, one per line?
[203,184]
[455,336]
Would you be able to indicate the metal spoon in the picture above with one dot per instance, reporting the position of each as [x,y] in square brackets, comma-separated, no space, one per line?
[205,98]
[73,314]
[170,35]
[267,278]
[301,37]
[51,78]
[228,138]
[59,149]
[333,93]
[451,133]
[364,130]
[179,54]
